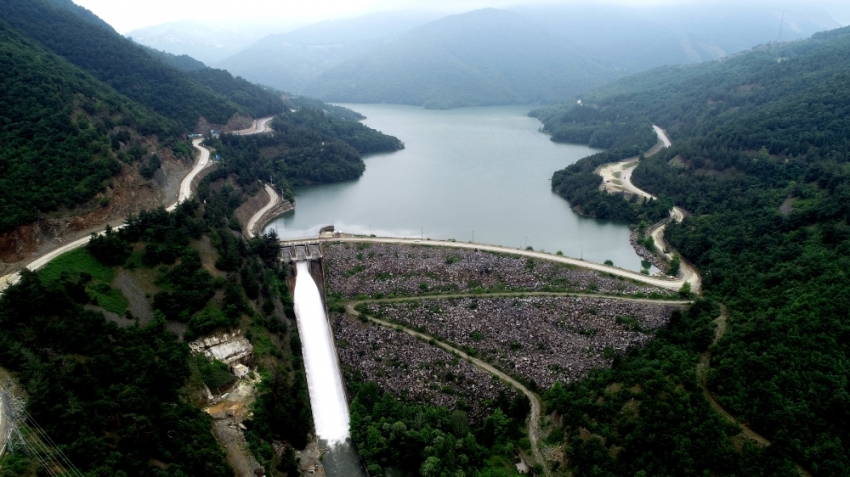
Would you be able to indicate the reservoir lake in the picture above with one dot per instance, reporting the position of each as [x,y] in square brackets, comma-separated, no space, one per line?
[484,171]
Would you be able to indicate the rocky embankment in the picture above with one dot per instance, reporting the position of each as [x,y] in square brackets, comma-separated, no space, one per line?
[644,252]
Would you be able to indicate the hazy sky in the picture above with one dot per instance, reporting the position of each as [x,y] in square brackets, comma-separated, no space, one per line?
[127,15]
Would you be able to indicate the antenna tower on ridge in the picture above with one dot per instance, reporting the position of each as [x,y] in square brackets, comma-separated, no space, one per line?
[781,24]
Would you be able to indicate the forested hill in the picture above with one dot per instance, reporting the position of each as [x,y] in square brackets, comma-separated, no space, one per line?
[77,35]
[59,127]
[308,146]
[760,160]
[260,100]
[477,58]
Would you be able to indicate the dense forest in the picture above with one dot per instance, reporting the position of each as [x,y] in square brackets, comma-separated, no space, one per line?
[760,162]
[81,104]
[422,439]
[60,130]
[307,146]
[118,397]
[260,101]
[78,36]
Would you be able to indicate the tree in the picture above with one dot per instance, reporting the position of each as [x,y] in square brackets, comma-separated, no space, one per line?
[431,467]
[675,266]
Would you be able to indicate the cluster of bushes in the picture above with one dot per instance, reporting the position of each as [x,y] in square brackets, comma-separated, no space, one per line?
[433,441]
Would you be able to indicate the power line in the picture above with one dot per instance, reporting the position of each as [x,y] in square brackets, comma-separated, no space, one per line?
[24,434]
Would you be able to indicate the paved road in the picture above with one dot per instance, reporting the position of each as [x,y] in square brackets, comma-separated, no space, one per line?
[536,407]
[184,193]
[662,282]
[274,199]
[186,184]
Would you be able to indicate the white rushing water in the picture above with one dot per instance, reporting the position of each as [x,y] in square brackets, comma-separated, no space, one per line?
[327,398]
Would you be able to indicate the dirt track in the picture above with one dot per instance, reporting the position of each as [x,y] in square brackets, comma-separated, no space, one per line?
[617,178]
[274,199]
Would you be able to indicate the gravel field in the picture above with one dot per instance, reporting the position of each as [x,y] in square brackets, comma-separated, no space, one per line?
[411,369]
[378,270]
[538,339]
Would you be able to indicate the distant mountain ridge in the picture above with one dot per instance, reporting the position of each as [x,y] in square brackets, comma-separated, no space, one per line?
[553,51]
[482,57]
[291,61]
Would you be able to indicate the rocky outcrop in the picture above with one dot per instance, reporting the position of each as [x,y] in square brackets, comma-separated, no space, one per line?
[229,347]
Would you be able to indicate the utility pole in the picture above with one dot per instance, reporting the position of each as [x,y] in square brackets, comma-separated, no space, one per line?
[526,243]
[582,252]
[473,235]
[781,24]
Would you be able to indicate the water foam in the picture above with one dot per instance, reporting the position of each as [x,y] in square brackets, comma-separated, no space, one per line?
[324,382]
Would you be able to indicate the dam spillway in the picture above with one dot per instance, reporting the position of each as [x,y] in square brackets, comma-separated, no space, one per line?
[324,379]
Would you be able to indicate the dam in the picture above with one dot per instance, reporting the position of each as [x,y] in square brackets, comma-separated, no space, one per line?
[328,400]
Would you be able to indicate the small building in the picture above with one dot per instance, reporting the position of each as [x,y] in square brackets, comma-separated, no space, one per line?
[522,468]
[240,370]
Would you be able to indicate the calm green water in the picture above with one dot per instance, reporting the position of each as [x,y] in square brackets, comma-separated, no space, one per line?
[482,169]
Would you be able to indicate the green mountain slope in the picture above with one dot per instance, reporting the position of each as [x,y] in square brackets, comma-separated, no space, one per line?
[477,58]
[259,100]
[290,61]
[117,61]
[760,159]
[136,388]
[55,143]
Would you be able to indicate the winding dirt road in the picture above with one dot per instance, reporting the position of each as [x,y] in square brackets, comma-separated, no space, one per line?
[704,366]
[274,199]
[617,178]
[536,406]
[259,126]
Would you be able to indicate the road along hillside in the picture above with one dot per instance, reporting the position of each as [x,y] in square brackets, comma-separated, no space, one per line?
[253,225]
[184,193]
[259,126]
[617,178]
